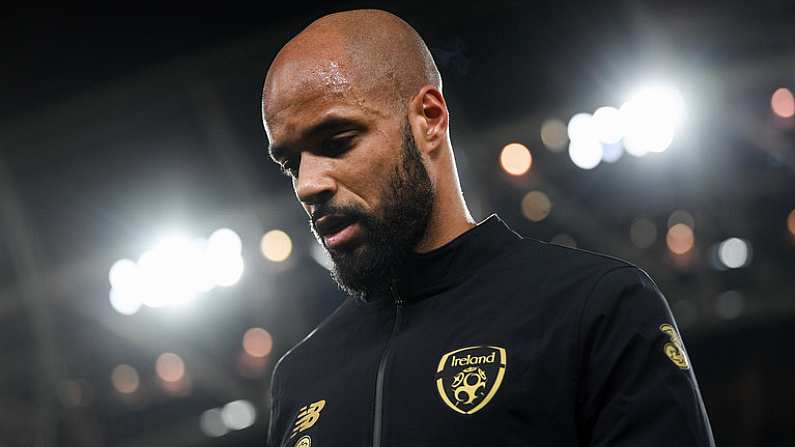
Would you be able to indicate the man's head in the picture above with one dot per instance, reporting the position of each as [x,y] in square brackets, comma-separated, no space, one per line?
[354,113]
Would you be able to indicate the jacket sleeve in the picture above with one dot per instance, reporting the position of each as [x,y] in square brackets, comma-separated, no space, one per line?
[636,385]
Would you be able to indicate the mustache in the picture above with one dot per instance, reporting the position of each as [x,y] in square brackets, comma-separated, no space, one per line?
[345,211]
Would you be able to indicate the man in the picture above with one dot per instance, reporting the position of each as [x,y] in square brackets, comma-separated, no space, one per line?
[455,333]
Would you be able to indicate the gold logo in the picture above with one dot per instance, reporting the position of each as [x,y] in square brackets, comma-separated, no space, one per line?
[307,416]
[468,378]
[674,349]
[303,441]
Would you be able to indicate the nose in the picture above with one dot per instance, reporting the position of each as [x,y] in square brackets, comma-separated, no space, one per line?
[315,183]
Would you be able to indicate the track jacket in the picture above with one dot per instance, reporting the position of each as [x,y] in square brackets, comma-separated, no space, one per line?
[495,340]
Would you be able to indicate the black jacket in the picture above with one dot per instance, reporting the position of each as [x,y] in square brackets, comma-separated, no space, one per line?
[495,340]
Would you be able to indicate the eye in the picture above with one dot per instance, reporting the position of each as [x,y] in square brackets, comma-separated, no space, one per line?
[338,144]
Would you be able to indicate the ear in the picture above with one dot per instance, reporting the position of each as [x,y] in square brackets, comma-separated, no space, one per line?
[429,119]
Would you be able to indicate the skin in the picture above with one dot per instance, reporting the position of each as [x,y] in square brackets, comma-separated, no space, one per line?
[335,100]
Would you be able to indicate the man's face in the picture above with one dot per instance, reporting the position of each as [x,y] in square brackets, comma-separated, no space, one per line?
[358,174]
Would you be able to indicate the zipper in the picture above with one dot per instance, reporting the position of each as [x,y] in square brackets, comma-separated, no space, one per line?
[379,379]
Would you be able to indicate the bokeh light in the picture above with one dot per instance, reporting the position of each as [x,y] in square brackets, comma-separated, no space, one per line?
[170,367]
[175,271]
[515,159]
[257,342]
[791,223]
[734,253]
[212,424]
[74,393]
[729,304]
[585,153]
[680,239]
[125,301]
[611,153]
[238,415]
[276,246]
[554,135]
[125,379]
[783,103]
[650,119]
[123,274]
[608,125]
[536,206]
[224,242]
[643,232]
[581,127]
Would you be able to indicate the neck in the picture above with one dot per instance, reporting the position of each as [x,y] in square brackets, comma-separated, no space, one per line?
[449,218]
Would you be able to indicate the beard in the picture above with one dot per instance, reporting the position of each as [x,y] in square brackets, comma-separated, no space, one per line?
[390,237]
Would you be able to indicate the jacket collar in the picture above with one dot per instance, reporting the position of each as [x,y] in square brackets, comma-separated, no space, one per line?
[426,274]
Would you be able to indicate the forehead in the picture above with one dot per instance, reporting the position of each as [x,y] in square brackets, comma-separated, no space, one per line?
[298,95]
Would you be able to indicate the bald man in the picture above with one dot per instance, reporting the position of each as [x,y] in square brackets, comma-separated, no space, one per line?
[455,332]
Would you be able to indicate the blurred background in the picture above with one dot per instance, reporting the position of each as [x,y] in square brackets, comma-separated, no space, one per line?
[154,264]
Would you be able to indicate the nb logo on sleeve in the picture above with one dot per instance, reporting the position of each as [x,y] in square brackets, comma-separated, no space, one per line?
[674,349]
[308,416]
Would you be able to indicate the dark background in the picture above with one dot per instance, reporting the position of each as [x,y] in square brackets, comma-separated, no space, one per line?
[120,121]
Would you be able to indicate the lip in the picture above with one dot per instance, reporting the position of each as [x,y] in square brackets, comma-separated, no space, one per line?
[342,236]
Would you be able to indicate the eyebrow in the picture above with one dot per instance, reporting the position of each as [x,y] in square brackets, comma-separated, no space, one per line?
[330,124]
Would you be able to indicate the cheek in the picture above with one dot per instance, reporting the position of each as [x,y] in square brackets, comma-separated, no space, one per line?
[374,167]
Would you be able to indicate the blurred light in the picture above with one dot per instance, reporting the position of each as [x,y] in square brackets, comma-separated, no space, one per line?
[553,135]
[125,379]
[251,367]
[224,242]
[564,239]
[536,206]
[227,272]
[729,304]
[238,415]
[170,367]
[71,393]
[581,127]
[516,159]
[124,301]
[224,255]
[680,239]
[322,256]
[650,119]
[212,424]
[179,388]
[783,103]
[643,232]
[607,125]
[202,265]
[791,222]
[123,274]
[585,153]
[681,216]
[176,270]
[733,253]
[276,246]
[166,272]
[612,152]
[257,342]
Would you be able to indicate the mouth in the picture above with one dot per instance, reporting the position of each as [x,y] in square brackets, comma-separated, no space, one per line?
[337,231]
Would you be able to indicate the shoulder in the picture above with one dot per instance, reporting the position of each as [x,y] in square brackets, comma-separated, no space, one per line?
[559,266]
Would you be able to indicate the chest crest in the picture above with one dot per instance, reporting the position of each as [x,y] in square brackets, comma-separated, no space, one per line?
[468,378]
